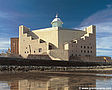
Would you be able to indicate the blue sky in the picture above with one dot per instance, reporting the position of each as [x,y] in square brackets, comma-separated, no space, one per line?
[37,14]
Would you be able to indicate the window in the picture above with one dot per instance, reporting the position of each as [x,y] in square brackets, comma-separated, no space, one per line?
[79,55]
[33,38]
[75,54]
[40,49]
[88,51]
[25,51]
[81,46]
[84,46]
[50,47]
[88,47]
[42,41]
[26,47]
[91,51]
[81,51]
[84,51]
[74,41]
[91,47]
[34,51]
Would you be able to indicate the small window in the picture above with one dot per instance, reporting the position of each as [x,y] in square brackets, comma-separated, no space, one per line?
[79,55]
[81,51]
[74,41]
[25,51]
[91,47]
[75,54]
[81,46]
[40,49]
[91,51]
[84,51]
[84,46]
[88,47]
[34,51]
[42,41]
[88,51]
[26,47]
[33,38]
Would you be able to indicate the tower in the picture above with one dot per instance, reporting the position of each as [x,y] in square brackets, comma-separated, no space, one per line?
[57,22]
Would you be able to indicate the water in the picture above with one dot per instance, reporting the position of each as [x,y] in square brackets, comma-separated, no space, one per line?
[55,81]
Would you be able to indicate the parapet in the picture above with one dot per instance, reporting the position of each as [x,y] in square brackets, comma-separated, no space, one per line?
[91,29]
[23,29]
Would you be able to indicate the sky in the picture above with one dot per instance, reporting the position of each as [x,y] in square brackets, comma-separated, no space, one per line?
[37,14]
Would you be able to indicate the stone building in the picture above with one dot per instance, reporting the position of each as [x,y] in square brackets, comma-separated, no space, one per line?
[56,42]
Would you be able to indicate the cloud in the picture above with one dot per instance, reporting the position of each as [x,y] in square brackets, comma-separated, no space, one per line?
[99,17]
[109,5]
[4,44]
[7,28]
[103,21]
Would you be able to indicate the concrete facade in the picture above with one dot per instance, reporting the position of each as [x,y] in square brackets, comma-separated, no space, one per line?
[57,42]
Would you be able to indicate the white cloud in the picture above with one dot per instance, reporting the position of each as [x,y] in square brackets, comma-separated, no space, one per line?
[109,5]
[99,17]
[104,42]
[4,43]
[104,53]
[103,21]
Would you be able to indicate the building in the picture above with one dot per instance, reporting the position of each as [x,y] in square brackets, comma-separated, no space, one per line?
[57,42]
[15,45]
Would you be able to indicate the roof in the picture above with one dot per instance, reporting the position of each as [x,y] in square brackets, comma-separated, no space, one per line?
[57,20]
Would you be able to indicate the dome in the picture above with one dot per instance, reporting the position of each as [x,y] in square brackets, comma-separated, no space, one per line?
[56,20]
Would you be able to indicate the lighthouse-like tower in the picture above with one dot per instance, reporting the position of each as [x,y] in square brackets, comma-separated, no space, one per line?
[57,22]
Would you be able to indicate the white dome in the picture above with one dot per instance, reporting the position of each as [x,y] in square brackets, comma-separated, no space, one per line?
[57,20]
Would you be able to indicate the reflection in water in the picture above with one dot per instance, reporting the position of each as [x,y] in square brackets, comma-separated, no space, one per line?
[53,82]
[4,86]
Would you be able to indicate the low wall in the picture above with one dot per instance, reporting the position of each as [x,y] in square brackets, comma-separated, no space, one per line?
[90,59]
[38,62]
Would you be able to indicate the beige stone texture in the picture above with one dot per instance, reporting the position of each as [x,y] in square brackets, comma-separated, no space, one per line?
[57,42]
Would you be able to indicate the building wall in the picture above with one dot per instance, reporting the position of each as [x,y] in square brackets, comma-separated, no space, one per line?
[66,35]
[65,42]
[15,45]
[86,45]
[29,43]
[50,35]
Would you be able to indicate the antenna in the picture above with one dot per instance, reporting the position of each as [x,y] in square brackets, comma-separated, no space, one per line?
[56,15]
